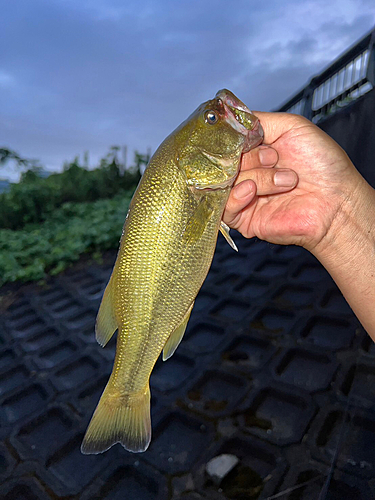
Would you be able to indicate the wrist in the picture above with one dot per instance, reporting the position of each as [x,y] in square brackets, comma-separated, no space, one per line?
[352,230]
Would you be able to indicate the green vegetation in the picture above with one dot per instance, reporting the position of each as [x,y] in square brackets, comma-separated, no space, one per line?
[34,198]
[46,224]
[74,229]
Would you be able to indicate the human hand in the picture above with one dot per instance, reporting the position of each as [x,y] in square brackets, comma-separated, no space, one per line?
[305,215]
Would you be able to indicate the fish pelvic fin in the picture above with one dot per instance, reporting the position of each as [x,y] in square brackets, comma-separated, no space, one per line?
[175,338]
[197,222]
[106,323]
[224,229]
[119,418]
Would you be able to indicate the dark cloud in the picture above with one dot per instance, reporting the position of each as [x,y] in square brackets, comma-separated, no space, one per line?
[78,76]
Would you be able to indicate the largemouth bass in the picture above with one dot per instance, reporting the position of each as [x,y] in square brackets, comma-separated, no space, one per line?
[166,249]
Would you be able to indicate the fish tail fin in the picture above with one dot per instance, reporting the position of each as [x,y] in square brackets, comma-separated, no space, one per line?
[119,418]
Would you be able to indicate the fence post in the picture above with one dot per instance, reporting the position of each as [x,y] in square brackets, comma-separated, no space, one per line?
[308,94]
[370,74]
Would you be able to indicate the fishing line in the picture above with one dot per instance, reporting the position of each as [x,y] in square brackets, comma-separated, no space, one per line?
[343,431]
[293,488]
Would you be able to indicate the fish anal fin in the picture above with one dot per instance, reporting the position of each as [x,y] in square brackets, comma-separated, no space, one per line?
[106,324]
[224,229]
[175,338]
[119,418]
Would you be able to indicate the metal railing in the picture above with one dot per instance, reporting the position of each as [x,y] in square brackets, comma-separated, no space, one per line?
[347,78]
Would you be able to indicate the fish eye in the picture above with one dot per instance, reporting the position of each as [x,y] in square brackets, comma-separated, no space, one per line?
[210,117]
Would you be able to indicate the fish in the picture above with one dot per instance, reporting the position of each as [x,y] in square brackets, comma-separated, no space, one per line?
[166,249]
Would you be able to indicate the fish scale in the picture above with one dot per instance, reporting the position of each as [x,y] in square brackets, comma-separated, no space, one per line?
[180,279]
[166,249]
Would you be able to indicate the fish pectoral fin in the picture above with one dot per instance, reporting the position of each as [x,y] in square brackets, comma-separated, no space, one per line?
[224,229]
[119,418]
[175,338]
[197,222]
[106,324]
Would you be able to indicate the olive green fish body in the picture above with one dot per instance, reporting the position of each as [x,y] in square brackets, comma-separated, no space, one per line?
[158,275]
[166,250]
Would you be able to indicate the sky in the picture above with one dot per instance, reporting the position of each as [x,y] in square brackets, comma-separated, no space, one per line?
[83,75]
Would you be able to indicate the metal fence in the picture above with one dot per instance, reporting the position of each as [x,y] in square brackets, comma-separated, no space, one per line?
[347,78]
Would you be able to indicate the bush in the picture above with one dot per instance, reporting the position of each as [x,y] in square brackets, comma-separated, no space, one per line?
[33,199]
[71,230]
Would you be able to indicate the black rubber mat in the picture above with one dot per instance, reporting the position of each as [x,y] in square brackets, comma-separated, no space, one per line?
[274,370]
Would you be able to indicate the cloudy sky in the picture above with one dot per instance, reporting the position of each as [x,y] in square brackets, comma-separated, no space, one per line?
[82,75]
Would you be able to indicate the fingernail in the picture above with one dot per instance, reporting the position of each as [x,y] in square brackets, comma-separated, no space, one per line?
[267,156]
[285,178]
[242,190]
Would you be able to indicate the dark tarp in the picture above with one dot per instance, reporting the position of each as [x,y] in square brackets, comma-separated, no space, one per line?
[353,128]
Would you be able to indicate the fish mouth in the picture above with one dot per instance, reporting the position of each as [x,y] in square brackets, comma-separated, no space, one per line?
[241,119]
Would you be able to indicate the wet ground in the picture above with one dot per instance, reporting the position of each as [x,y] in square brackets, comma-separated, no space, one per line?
[274,370]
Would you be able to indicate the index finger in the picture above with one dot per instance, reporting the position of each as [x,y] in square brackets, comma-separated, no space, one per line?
[262,156]
[276,124]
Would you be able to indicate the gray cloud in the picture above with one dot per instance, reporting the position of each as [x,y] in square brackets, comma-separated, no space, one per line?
[78,76]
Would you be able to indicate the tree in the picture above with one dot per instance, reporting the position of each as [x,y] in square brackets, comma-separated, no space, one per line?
[7,154]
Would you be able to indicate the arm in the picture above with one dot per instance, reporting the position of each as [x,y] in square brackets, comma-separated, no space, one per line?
[348,253]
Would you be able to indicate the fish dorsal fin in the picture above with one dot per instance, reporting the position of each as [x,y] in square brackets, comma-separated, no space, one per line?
[224,229]
[106,324]
[175,338]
